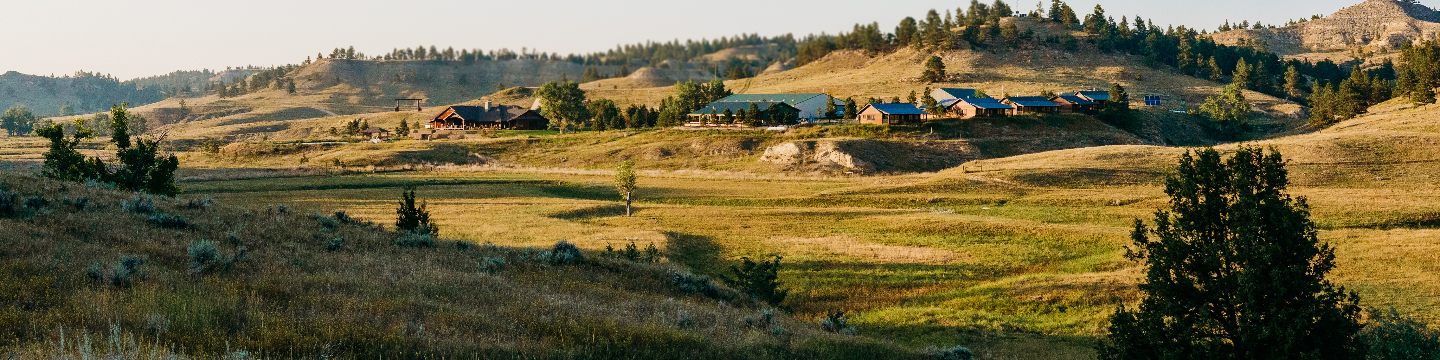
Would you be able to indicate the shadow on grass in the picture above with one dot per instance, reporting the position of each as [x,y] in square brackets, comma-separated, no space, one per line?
[987,343]
[592,212]
[700,253]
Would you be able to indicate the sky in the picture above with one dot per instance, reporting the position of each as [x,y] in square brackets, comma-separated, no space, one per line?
[137,38]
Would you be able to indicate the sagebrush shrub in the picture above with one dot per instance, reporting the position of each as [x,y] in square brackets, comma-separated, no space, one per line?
[36,202]
[169,221]
[141,204]
[8,203]
[96,273]
[126,270]
[1392,335]
[79,204]
[836,322]
[203,254]
[492,264]
[954,353]
[565,253]
[690,284]
[335,244]
[415,240]
[198,204]
[326,222]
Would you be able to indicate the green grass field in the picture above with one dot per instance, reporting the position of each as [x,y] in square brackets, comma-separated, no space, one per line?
[1011,268]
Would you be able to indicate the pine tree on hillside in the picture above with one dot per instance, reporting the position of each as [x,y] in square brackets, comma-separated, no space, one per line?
[412,217]
[931,106]
[907,33]
[850,108]
[1241,76]
[934,70]
[912,99]
[1294,84]
[1216,73]
[1234,271]
[403,129]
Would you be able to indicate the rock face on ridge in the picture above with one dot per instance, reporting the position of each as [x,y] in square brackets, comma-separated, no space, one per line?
[1385,23]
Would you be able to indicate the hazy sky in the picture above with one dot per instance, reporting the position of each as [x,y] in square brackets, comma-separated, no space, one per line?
[138,38]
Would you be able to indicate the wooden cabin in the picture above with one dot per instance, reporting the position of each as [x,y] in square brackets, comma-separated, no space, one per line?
[506,117]
[1098,97]
[1072,103]
[970,108]
[1032,105]
[890,114]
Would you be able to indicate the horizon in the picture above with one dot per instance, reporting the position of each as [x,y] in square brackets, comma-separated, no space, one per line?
[195,41]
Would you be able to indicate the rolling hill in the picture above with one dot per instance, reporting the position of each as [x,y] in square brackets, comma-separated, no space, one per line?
[1358,32]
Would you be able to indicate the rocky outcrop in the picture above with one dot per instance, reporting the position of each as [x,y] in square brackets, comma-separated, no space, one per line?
[870,156]
[1384,23]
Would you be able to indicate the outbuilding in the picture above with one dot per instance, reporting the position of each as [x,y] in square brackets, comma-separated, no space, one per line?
[376,133]
[1075,104]
[1098,97]
[890,114]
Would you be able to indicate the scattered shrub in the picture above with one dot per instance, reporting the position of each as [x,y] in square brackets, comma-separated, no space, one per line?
[684,321]
[690,284]
[169,221]
[633,253]
[415,240]
[7,203]
[198,204]
[344,218]
[95,184]
[764,319]
[836,322]
[954,353]
[566,253]
[36,202]
[492,264]
[141,204]
[326,222]
[414,218]
[79,204]
[463,245]
[233,238]
[203,254]
[335,244]
[126,271]
[1392,335]
[96,273]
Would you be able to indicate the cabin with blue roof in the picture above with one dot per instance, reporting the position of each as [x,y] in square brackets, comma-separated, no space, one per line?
[1032,105]
[1075,104]
[943,94]
[970,108]
[890,114]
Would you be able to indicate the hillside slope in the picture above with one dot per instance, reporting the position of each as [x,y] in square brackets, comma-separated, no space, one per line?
[84,92]
[1376,24]
[274,283]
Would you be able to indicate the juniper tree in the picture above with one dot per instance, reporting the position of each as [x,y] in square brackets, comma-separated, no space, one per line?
[850,108]
[934,70]
[1294,84]
[413,218]
[1234,271]
[62,161]
[18,120]
[1241,77]
[142,167]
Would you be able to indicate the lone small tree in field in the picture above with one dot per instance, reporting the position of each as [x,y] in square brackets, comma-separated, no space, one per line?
[1234,271]
[413,218]
[625,182]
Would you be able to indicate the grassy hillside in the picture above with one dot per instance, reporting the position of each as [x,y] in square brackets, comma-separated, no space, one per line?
[287,282]
[84,92]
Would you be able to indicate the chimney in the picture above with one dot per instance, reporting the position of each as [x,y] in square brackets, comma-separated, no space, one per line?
[487,105]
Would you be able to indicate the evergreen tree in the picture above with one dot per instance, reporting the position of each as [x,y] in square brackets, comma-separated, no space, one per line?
[1230,111]
[413,218]
[563,103]
[908,33]
[1117,110]
[851,108]
[934,70]
[1294,84]
[912,99]
[403,129]
[934,31]
[753,115]
[760,281]
[830,109]
[1234,271]
[1216,74]
[142,167]
[1241,77]
[931,106]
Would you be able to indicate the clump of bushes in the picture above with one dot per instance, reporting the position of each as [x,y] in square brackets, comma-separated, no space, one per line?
[204,254]
[691,284]
[954,353]
[36,202]
[633,253]
[121,276]
[565,253]
[79,204]
[8,203]
[335,244]
[141,204]
[836,322]
[492,264]
[415,239]
[766,320]
[168,221]
[1392,335]
[197,204]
